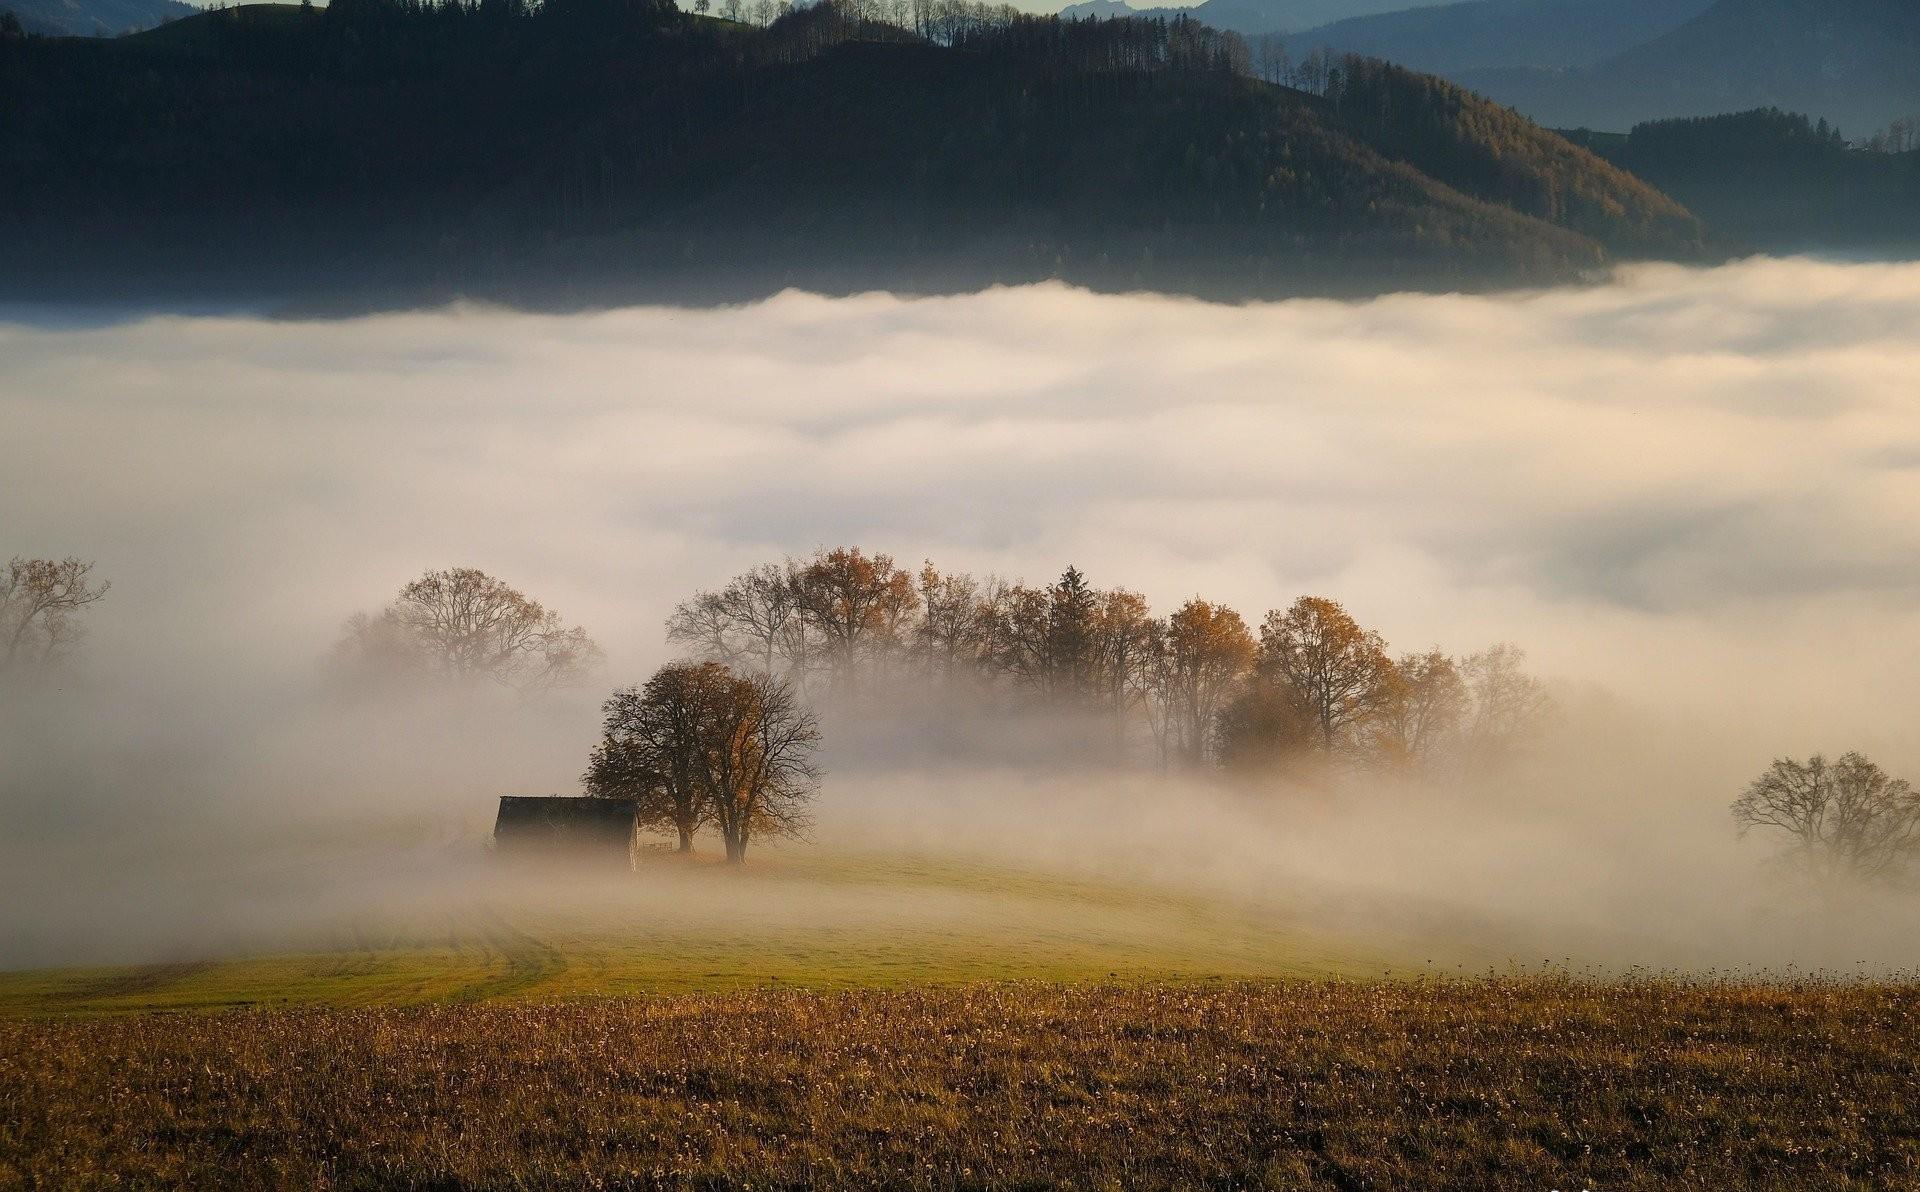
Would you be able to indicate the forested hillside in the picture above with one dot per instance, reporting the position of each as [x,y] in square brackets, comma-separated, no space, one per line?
[1486,150]
[1775,180]
[587,150]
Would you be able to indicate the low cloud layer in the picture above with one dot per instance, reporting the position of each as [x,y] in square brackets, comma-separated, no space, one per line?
[1694,490]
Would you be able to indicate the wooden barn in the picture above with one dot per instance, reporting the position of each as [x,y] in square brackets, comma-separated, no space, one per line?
[568,828]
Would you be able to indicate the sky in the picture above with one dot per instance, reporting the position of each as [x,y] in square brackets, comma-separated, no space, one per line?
[1688,494]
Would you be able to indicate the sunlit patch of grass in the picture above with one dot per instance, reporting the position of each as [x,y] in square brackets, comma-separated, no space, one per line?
[802,918]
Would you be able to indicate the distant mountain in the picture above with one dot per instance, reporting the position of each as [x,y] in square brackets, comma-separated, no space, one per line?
[1452,38]
[584,151]
[1243,16]
[94,18]
[1853,62]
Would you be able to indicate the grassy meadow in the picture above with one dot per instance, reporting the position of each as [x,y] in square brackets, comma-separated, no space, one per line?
[832,1020]
[798,917]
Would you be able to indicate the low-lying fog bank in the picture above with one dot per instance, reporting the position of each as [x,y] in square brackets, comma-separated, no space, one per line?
[1690,495]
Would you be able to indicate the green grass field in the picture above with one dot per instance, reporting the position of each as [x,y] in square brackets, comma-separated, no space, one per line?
[800,918]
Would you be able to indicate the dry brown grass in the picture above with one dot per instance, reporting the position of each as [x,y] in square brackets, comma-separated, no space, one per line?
[1503,1084]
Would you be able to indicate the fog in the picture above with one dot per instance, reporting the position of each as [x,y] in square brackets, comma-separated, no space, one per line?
[1689,494]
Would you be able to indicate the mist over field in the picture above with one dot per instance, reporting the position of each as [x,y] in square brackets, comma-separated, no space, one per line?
[1689,494]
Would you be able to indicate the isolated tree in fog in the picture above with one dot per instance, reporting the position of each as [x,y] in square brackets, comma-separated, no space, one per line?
[465,625]
[1843,818]
[701,743]
[1506,706]
[40,604]
[1339,672]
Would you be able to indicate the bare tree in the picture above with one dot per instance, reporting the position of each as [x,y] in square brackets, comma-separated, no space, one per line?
[40,603]
[755,621]
[1340,672]
[1270,60]
[1844,818]
[1422,714]
[465,625]
[1506,706]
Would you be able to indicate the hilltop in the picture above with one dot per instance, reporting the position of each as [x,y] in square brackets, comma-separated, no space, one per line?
[1482,34]
[1242,16]
[582,153]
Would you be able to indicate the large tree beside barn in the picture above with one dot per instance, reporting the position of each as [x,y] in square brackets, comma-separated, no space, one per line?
[699,744]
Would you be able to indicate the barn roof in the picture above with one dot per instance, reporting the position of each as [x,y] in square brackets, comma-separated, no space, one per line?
[566,809]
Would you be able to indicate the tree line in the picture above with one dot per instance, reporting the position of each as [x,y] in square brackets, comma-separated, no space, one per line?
[730,738]
[1197,686]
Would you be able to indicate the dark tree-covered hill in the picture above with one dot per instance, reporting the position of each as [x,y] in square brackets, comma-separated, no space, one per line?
[590,150]
[1770,179]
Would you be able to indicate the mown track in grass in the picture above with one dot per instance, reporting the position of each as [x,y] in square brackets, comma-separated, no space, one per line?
[1502,1084]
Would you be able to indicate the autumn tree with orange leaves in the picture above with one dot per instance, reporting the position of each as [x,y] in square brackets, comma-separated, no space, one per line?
[1206,654]
[1340,672]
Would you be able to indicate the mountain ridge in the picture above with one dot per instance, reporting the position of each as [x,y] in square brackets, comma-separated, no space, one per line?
[1488,34]
[1852,62]
[541,156]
